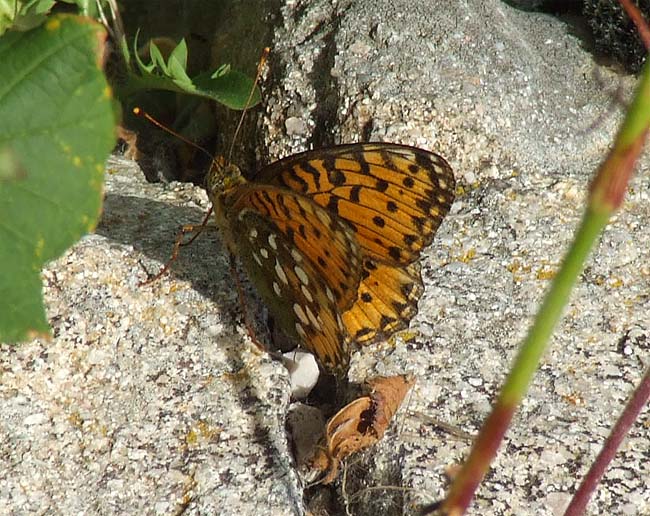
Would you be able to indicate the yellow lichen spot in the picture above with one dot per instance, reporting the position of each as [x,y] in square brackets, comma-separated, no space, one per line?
[545,273]
[202,431]
[616,283]
[460,190]
[516,267]
[192,437]
[511,195]
[76,161]
[407,335]
[53,24]
[237,377]
[468,256]
[573,398]
[75,419]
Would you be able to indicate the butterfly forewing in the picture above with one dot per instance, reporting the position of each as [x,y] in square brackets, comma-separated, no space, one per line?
[394,196]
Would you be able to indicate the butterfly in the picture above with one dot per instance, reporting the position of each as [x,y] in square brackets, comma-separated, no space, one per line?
[330,238]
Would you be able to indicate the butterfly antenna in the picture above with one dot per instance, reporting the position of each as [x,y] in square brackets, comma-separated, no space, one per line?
[143,114]
[260,69]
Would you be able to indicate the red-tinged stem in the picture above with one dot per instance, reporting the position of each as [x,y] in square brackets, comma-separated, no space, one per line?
[524,367]
[606,455]
[485,448]
[638,20]
[609,185]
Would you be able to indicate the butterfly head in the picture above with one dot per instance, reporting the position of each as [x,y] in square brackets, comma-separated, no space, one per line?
[222,177]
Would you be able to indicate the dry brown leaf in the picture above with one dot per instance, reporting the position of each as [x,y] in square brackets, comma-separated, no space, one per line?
[361,423]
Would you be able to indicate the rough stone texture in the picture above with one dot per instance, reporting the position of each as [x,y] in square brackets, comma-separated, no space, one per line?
[524,115]
[148,398]
[151,400]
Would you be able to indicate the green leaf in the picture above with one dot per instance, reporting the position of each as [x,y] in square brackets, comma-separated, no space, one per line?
[23,15]
[58,122]
[179,55]
[229,87]
[10,166]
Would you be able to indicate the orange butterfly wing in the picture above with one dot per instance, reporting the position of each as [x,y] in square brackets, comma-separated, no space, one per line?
[304,263]
[394,197]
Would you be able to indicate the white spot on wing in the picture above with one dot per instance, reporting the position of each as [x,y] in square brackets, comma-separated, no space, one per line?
[257,259]
[324,217]
[312,319]
[264,253]
[302,275]
[300,331]
[330,296]
[280,273]
[306,293]
[272,242]
[296,256]
[297,309]
[276,289]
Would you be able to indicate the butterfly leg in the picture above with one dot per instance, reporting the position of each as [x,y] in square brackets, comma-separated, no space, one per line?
[188,228]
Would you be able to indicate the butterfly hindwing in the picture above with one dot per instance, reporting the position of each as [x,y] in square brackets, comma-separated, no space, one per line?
[387,301]
[304,294]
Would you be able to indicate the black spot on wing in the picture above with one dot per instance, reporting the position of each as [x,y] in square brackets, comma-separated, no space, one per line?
[409,240]
[386,321]
[378,221]
[354,193]
[381,185]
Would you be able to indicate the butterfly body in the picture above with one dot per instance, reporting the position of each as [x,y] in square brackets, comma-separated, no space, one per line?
[330,239]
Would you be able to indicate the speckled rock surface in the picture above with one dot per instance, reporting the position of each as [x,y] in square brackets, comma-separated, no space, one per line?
[151,400]
[523,113]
